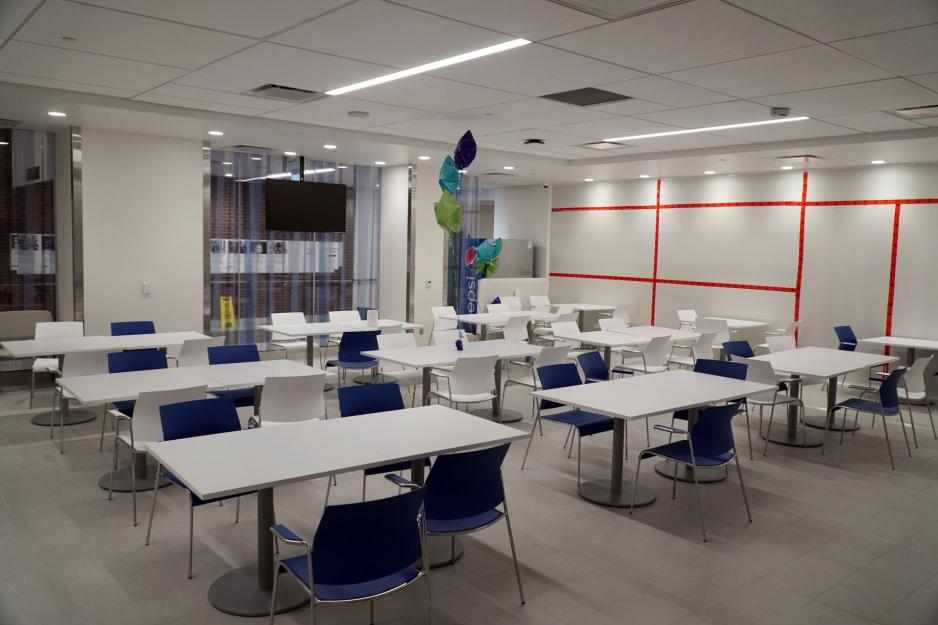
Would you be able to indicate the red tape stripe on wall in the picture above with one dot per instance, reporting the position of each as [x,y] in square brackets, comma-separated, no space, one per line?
[590,276]
[804,203]
[892,272]
[654,270]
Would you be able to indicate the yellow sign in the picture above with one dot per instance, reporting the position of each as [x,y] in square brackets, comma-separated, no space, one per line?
[227,312]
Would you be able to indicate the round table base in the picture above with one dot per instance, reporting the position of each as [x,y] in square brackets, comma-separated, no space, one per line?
[442,552]
[600,491]
[237,593]
[74,417]
[378,379]
[686,474]
[821,422]
[780,436]
[122,480]
[508,416]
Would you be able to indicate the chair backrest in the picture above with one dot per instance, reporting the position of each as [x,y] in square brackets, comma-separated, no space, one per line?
[392,328]
[612,323]
[344,315]
[369,398]
[465,484]
[593,366]
[516,328]
[703,346]
[687,318]
[362,312]
[551,356]
[445,337]
[791,327]
[397,340]
[473,375]
[84,363]
[498,308]
[124,328]
[759,371]
[228,354]
[915,376]
[889,389]
[657,351]
[59,329]
[565,327]
[285,319]
[439,323]
[781,343]
[712,435]
[722,368]
[513,303]
[557,376]
[623,311]
[540,303]
[846,337]
[136,360]
[361,542]
[352,344]
[287,399]
[194,352]
[738,348]
[565,309]
[146,423]
[717,326]
[199,417]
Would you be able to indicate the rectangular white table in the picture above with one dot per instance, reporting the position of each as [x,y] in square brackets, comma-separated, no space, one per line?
[310,331]
[817,362]
[612,339]
[650,332]
[735,325]
[907,343]
[430,356]
[484,320]
[582,308]
[641,397]
[265,458]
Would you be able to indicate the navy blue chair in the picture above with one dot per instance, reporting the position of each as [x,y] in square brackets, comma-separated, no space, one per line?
[124,362]
[888,404]
[361,551]
[230,354]
[463,493]
[725,369]
[593,366]
[738,348]
[709,444]
[362,312]
[583,422]
[369,399]
[846,338]
[351,346]
[188,419]
[125,328]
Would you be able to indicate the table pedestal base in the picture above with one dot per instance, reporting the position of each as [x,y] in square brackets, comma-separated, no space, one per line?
[508,416]
[601,492]
[837,425]
[72,417]
[238,593]
[123,477]
[442,552]
[378,379]
[780,435]
[686,473]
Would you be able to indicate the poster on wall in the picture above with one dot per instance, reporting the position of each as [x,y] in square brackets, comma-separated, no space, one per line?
[277,256]
[32,254]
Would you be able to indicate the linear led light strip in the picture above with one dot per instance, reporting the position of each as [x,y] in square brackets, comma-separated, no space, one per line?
[287,174]
[688,131]
[429,67]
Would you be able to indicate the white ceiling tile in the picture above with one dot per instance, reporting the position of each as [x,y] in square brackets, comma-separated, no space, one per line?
[333,111]
[613,127]
[280,65]
[197,104]
[806,129]
[376,31]
[120,34]
[829,20]
[435,94]
[686,35]
[537,70]
[793,70]
[665,91]
[879,95]
[242,17]
[515,140]
[12,14]
[219,97]
[686,142]
[530,19]
[25,58]
[632,106]
[65,84]
[927,80]
[904,52]
[574,152]
[734,112]
[872,122]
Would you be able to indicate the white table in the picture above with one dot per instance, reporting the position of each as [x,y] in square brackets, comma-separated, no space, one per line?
[650,332]
[264,458]
[908,343]
[735,325]
[326,328]
[612,339]
[583,308]
[430,356]
[641,397]
[820,362]
[484,320]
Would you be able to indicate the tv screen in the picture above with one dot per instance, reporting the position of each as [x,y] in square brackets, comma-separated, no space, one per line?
[305,206]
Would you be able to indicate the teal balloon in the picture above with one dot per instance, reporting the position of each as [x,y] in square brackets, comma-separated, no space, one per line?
[449,175]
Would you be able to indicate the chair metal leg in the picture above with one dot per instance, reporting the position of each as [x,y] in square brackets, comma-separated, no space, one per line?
[904,433]
[514,556]
[748,429]
[638,466]
[328,490]
[647,434]
[133,479]
[843,427]
[273,592]
[703,527]
[537,420]
[426,579]
[570,451]
[152,507]
[888,445]
[911,422]
[55,392]
[371,612]
[103,426]
[579,459]
[674,484]
[742,487]
[566,440]
[364,483]
[237,510]
[930,418]
[110,488]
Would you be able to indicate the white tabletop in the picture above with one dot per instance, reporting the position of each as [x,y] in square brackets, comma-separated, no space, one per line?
[438,355]
[247,460]
[900,341]
[650,332]
[239,374]
[587,307]
[647,395]
[382,323]
[602,338]
[325,328]
[499,318]
[739,324]
[54,347]
[823,362]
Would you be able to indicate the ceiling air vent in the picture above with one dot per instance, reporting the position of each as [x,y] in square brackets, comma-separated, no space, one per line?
[587,96]
[280,92]
[604,145]
[9,123]
[616,9]
[248,148]
[918,112]
[798,158]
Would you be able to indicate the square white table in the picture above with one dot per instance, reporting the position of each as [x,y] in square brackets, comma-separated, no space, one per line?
[612,339]
[429,356]
[735,325]
[650,332]
[265,458]
[310,331]
[582,308]
[818,362]
[484,320]
[908,343]
[641,397]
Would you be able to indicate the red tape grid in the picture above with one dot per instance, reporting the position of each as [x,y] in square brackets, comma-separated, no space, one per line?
[654,270]
[804,203]
[892,272]
[730,285]
[591,276]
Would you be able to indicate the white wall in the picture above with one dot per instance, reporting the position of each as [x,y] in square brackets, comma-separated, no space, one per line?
[64,291]
[524,213]
[429,242]
[392,273]
[142,221]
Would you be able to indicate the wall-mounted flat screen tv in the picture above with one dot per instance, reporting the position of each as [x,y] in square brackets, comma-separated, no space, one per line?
[295,206]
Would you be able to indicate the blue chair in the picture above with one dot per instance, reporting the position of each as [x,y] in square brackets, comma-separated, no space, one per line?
[593,366]
[362,312]
[188,419]
[846,338]
[725,369]
[125,328]
[351,346]
[463,492]
[369,399]
[888,404]
[738,348]
[230,354]
[124,362]
[709,445]
[361,551]
[584,423]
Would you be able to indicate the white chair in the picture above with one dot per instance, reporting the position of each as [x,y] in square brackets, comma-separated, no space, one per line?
[717,326]
[913,388]
[622,311]
[786,331]
[441,323]
[540,303]
[282,341]
[498,308]
[780,343]
[471,381]
[513,303]
[687,318]
[516,328]
[51,330]
[548,356]
[291,399]
[444,337]
[145,427]
[702,348]
[338,316]
[75,364]
[392,328]
[761,371]
[405,376]
[194,352]
[654,357]
[566,327]
[610,324]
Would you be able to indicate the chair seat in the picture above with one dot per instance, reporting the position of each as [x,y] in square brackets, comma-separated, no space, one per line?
[622,370]
[586,423]
[288,345]
[299,566]
[679,451]
[687,361]
[865,405]
[465,398]
[638,365]
[370,363]
[779,399]
[125,407]
[46,365]
[467,524]
[265,423]
[241,396]
[541,330]
[524,380]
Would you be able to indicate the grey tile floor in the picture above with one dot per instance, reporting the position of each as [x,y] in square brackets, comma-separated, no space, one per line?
[835,540]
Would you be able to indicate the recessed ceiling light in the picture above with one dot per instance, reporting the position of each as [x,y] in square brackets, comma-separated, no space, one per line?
[587,180]
[709,172]
[324,170]
[508,167]
[204,147]
[216,133]
[424,158]
[56,114]
[428,67]
[256,158]
[341,166]
[229,175]
[226,163]
[4,143]
[787,167]
[380,163]
[289,153]
[68,38]
[282,174]
[877,162]
[330,146]
[688,131]
[644,176]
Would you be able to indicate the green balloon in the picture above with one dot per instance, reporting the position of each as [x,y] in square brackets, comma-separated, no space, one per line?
[448,212]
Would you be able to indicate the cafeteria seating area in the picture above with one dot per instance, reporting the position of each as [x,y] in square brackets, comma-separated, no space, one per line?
[541,312]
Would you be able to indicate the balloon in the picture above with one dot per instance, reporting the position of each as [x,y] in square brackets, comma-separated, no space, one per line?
[449,176]
[448,212]
[465,151]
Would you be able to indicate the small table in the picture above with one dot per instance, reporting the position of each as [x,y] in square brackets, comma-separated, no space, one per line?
[735,325]
[263,458]
[583,308]
[311,330]
[650,332]
[910,344]
[641,397]
[605,339]
[484,320]
[819,362]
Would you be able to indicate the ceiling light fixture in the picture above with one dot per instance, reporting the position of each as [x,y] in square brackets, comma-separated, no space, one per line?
[709,172]
[216,133]
[688,131]
[204,147]
[379,163]
[877,162]
[429,67]
[256,158]
[587,180]
[643,176]
[4,143]
[341,166]
[423,158]
[508,167]
[324,170]
[330,146]
[229,175]
[226,163]
[283,174]
[289,153]
[56,114]
[787,167]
